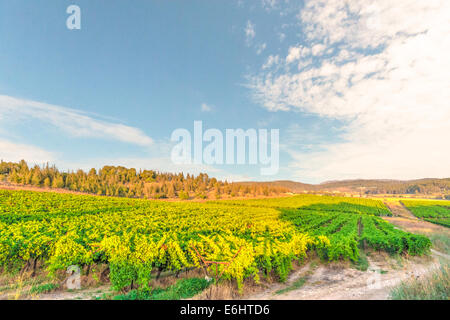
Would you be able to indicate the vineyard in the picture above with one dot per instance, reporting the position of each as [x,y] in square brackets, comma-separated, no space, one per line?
[437,211]
[348,224]
[318,203]
[139,239]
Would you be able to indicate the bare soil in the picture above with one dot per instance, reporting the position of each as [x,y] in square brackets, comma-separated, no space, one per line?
[83,294]
[339,282]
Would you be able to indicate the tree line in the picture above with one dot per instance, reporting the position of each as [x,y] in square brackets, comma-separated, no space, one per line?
[129,182]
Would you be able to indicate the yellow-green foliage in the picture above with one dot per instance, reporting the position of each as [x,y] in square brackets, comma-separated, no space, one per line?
[435,211]
[136,236]
[317,203]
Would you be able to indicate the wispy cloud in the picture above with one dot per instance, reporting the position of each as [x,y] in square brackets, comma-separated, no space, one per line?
[206,107]
[260,48]
[71,121]
[382,68]
[250,32]
[12,151]
[271,61]
[269,4]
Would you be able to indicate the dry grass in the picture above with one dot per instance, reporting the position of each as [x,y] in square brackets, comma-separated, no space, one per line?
[434,286]
[24,284]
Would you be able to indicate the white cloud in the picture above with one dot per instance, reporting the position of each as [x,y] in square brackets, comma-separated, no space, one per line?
[206,107]
[74,122]
[250,32]
[260,48]
[11,151]
[295,53]
[77,123]
[269,4]
[318,49]
[271,60]
[388,80]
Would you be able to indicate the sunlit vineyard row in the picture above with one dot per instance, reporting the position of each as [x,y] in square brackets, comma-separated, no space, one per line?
[435,211]
[318,203]
[139,237]
[349,232]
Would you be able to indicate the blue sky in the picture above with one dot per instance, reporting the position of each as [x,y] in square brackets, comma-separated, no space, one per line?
[113,92]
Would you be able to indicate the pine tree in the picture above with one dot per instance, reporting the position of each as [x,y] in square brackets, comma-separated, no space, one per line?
[47,182]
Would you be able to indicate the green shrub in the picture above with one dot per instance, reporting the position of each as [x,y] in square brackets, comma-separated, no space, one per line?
[183,195]
[182,289]
[43,288]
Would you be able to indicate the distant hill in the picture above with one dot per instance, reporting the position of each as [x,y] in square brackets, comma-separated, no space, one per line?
[426,186]
[368,186]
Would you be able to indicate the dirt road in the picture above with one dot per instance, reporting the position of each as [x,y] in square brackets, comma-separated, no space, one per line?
[333,282]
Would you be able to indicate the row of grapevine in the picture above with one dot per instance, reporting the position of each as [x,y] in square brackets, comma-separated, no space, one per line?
[318,203]
[435,211]
[347,230]
[381,235]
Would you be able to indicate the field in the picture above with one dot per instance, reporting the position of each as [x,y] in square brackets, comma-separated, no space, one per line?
[318,203]
[139,239]
[437,211]
[348,224]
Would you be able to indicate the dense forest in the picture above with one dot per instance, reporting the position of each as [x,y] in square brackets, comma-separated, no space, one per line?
[123,182]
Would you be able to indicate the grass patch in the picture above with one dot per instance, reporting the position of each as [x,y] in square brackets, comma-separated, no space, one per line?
[398,259]
[441,242]
[182,289]
[436,286]
[313,264]
[294,286]
[43,288]
[362,264]
[9,287]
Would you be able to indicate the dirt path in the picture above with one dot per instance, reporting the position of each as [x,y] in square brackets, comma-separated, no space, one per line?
[399,210]
[83,294]
[334,282]
[440,254]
